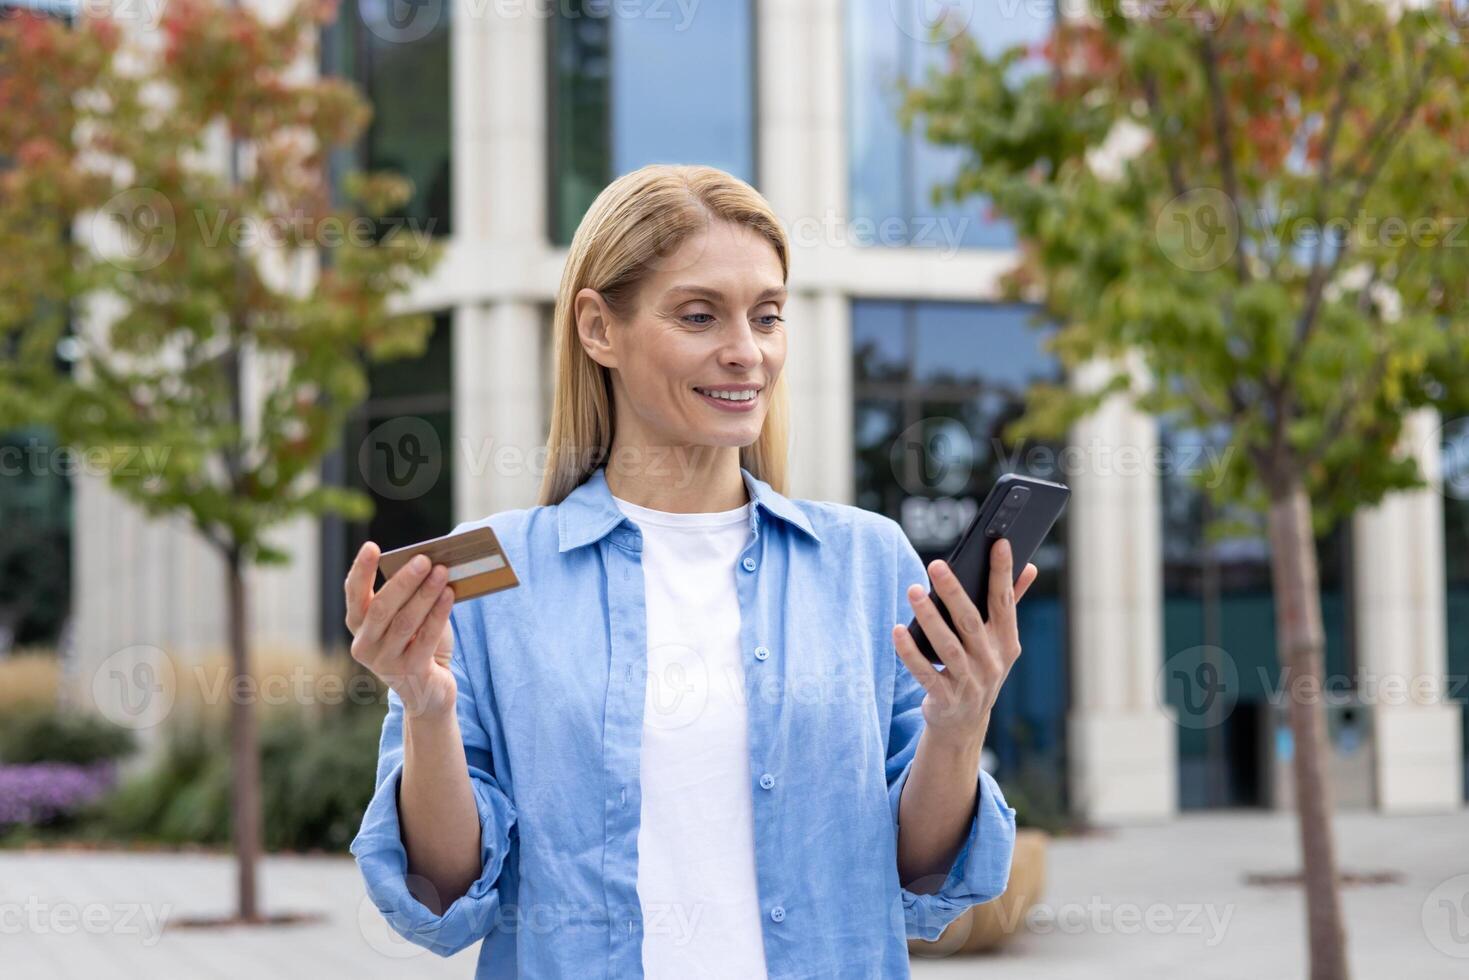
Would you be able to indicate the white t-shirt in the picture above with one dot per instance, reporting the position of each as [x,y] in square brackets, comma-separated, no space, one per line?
[696,844]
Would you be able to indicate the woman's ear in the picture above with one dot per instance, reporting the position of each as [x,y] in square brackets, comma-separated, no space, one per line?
[593,319]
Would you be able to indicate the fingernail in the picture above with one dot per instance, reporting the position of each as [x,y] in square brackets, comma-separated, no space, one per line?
[420,563]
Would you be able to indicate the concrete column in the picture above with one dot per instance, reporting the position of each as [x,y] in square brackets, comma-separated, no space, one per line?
[819,373]
[1398,554]
[803,141]
[802,172]
[1123,744]
[136,582]
[500,189]
[499,141]
[499,422]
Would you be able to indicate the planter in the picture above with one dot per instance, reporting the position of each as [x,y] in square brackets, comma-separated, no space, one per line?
[986,927]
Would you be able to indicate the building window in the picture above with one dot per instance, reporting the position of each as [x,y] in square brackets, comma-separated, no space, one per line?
[1217,595]
[1455,473]
[893,172]
[35,551]
[398,55]
[934,385]
[397,448]
[646,85]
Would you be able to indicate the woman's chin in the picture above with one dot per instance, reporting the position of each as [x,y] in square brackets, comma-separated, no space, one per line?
[735,433]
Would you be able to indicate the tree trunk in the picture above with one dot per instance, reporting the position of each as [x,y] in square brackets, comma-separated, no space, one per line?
[1301,642]
[244,753]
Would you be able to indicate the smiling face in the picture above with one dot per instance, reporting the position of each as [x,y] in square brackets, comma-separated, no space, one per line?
[695,356]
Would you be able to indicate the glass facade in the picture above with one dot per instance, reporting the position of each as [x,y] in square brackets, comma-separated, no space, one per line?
[35,550]
[399,57]
[398,449]
[648,84]
[893,172]
[935,384]
[1456,559]
[1218,594]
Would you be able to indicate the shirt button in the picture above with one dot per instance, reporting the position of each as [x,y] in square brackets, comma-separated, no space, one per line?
[778,914]
[749,564]
[761,653]
[767,781]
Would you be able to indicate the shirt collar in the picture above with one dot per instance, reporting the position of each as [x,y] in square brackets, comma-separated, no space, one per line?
[589,513]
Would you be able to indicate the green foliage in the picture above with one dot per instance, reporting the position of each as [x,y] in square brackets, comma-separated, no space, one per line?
[219,313]
[326,778]
[317,777]
[53,735]
[1037,806]
[1262,201]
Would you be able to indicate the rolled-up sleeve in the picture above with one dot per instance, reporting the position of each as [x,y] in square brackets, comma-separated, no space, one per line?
[378,846]
[981,870]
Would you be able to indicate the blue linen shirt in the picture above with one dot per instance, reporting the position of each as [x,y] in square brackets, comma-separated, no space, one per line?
[551,696]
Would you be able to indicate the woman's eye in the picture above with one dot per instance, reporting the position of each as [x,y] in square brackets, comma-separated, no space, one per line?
[770,319]
[693,318]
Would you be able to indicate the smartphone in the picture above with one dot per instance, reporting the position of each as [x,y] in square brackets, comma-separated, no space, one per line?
[1020,508]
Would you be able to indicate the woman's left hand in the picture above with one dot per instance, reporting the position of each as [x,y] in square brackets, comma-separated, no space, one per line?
[977,655]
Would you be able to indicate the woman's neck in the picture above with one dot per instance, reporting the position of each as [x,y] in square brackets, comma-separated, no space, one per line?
[677,479]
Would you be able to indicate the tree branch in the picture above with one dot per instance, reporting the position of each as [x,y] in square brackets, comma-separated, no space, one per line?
[1317,281]
[1155,110]
[1381,142]
[1219,113]
[1215,414]
[1338,421]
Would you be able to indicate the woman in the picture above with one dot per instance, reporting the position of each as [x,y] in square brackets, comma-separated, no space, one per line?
[686,744]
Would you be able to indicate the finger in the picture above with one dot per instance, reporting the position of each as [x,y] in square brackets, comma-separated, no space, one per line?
[390,598]
[945,643]
[426,642]
[1027,578]
[409,621]
[926,673]
[358,585]
[962,610]
[1002,588]
[1004,627]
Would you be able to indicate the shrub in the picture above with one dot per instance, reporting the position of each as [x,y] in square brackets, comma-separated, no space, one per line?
[317,776]
[50,735]
[29,680]
[324,778]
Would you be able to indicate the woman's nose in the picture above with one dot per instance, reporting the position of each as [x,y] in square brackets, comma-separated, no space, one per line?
[741,348]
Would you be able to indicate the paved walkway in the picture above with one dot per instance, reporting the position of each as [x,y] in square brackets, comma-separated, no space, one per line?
[1171,901]
[1167,901]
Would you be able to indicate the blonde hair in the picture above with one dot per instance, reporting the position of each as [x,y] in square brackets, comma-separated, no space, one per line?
[638,220]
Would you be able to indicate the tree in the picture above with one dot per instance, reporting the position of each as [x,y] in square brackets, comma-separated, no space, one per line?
[223,310]
[1262,202]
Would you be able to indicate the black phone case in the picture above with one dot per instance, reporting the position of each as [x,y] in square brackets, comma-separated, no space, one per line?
[970,558]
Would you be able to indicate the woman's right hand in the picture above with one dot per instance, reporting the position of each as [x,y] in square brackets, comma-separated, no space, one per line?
[401,632]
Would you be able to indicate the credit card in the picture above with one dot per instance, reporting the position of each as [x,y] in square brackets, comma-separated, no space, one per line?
[477,564]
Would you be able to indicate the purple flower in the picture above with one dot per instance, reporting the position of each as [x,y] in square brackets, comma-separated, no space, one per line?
[41,792]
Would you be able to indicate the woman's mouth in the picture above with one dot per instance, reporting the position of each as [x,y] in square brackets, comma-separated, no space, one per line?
[737,399]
